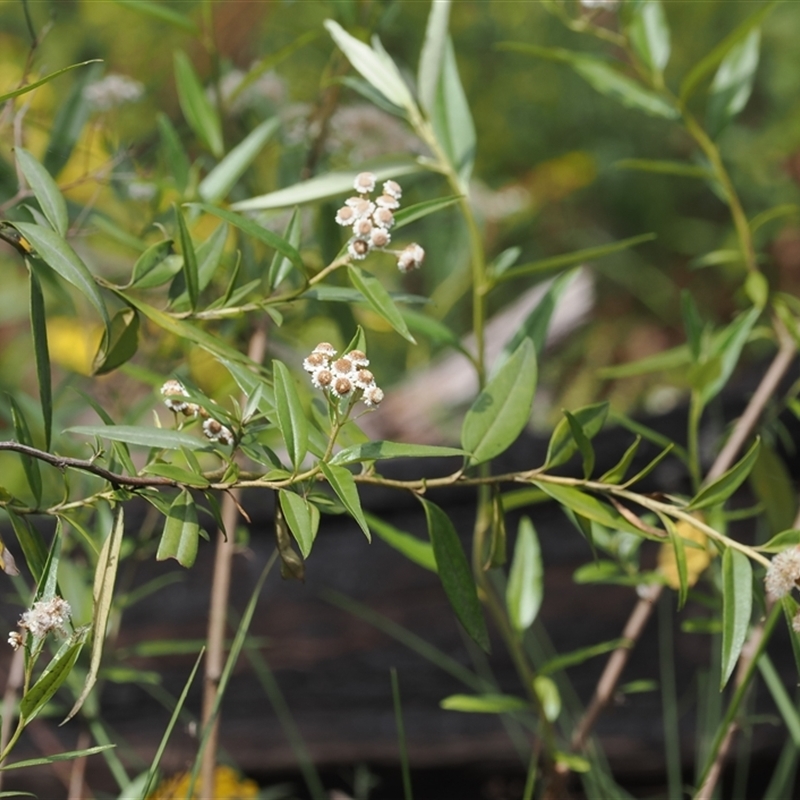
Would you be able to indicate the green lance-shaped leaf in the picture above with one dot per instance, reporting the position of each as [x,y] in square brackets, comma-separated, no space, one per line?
[710,62]
[374,65]
[281,267]
[222,178]
[291,417]
[455,574]
[119,342]
[31,544]
[584,444]
[649,34]
[781,541]
[737,602]
[575,657]
[189,259]
[45,760]
[145,437]
[549,696]
[322,187]
[430,59]
[105,577]
[302,518]
[56,253]
[484,703]
[175,473]
[51,201]
[47,78]
[733,83]
[562,443]
[150,259]
[452,120]
[723,487]
[29,465]
[502,409]
[41,355]
[56,672]
[411,547]
[343,483]
[197,109]
[774,488]
[525,580]
[175,160]
[181,532]
[162,13]
[588,506]
[620,469]
[405,216]
[375,451]
[379,299]
[257,231]
[69,121]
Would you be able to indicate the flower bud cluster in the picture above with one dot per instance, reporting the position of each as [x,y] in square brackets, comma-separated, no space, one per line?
[370,221]
[174,391]
[45,616]
[347,376]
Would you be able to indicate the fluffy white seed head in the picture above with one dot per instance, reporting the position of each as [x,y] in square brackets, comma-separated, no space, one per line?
[783,573]
[410,258]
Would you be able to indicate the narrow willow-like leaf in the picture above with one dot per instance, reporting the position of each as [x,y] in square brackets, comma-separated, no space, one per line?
[148,261]
[30,465]
[525,580]
[484,703]
[197,109]
[222,178]
[571,259]
[430,59]
[342,482]
[302,518]
[56,253]
[680,559]
[374,65]
[181,533]
[673,358]
[583,443]
[144,437]
[780,696]
[502,409]
[56,672]
[723,487]
[619,470]
[649,33]
[588,506]
[575,657]
[733,83]
[562,443]
[291,416]
[455,574]
[105,577]
[40,762]
[257,231]
[189,259]
[374,451]
[411,547]
[405,216]
[781,541]
[41,356]
[379,299]
[711,61]
[119,344]
[51,201]
[737,602]
[47,78]
[281,267]
[321,187]
[173,153]
[176,473]
[31,543]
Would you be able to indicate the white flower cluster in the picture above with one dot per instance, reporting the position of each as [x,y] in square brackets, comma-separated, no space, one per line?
[370,222]
[44,617]
[783,573]
[174,391]
[343,377]
[112,91]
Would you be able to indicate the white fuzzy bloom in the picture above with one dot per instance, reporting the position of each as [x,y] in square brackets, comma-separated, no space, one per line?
[364,182]
[610,5]
[46,616]
[373,396]
[112,91]
[393,189]
[358,249]
[269,87]
[216,432]
[15,640]
[172,389]
[410,258]
[142,190]
[783,573]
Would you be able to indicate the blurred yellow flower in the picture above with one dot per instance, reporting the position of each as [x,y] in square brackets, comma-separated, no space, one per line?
[73,343]
[228,785]
[697,558]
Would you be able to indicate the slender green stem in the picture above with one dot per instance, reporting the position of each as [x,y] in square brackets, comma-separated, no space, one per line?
[693,439]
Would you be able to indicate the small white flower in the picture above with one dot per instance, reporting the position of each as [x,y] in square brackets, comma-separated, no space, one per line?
[326,349]
[379,237]
[358,358]
[364,379]
[410,258]
[362,228]
[362,208]
[373,396]
[46,616]
[392,188]
[358,249]
[346,216]
[783,573]
[216,432]
[342,367]
[172,389]
[342,386]
[387,201]
[15,640]
[111,91]
[322,378]
[314,362]
[364,182]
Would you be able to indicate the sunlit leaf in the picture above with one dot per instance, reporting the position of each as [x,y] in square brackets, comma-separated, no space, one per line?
[302,518]
[342,482]
[737,602]
[485,703]
[51,201]
[291,416]
[197,109]
[722,488]
[374,451]
[181,533]
[379,299]
[525,586]
[733,83]
[562,442]
[144,437]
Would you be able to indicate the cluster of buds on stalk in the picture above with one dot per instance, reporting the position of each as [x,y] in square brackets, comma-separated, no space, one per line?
[370,222]
[45,616]
[343,377]
[783,576]
[174,393]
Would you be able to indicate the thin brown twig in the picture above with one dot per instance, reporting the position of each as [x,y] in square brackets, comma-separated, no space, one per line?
[218,608]
[638,619]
